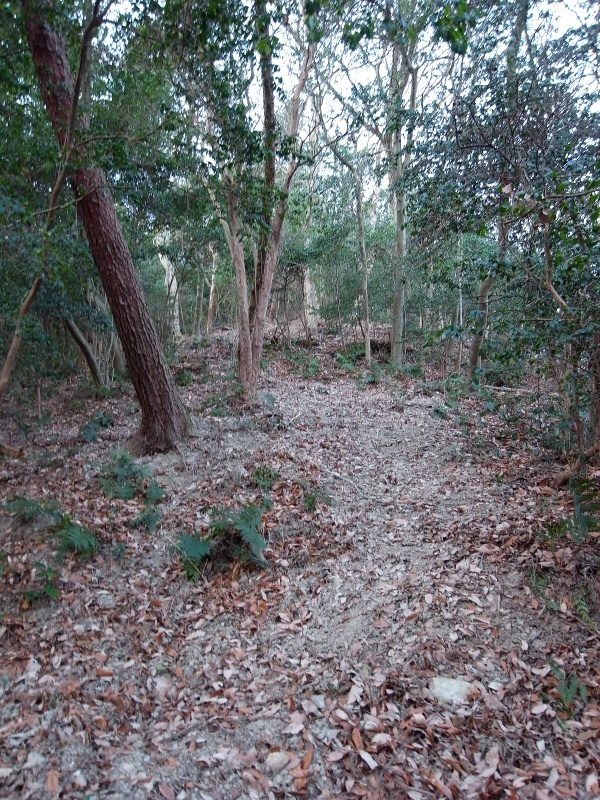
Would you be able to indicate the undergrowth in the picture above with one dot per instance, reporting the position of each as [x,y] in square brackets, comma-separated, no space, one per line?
[233,535]
[123,478]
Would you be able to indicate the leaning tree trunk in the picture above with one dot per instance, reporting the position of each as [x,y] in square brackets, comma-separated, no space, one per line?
[164,419]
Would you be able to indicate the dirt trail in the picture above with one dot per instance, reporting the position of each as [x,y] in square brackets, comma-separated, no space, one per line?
[311,679]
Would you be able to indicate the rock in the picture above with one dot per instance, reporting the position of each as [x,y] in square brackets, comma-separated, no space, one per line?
[276,761]
[450,690]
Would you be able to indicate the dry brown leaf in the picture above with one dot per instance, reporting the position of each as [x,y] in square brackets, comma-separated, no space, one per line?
[357,739]
[307,757]
[52,783]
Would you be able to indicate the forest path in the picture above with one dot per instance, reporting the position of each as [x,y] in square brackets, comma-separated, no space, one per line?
[312,678]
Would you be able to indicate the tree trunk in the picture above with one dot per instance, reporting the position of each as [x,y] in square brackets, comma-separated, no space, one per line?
[309,295]
[399,283]
[164,419]
[210,312]
[172,289]
[402,158]
[198,305]
[86,352]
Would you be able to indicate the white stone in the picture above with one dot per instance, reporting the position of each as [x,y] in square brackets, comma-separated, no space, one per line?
[450,690]
[277,761]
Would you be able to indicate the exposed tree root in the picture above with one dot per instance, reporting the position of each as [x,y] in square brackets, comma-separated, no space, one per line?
[567,474]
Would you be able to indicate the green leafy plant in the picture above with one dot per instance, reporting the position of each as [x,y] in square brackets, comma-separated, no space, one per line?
[232,535]
[264,477]
[411,370]
[89,431]
[585,518]
[581,606]
[193,550]
[148,519]
[123,478]
[28,510]
[344,362]
[311,368]
[537,582]
[585,510]
[74,538]
[242,529]
[48,577]
[184,378]
[313,497]
[3,565]
[568,687]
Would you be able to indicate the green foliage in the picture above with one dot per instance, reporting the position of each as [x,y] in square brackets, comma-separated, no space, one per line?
[193,551]
[264,477]
[3,565]
[311,368]
[315,496]
[585,518]
[89,431]
[48,577]
[28,510]
[184,378]
[125,479]
[307,366]
[581,606]
[232,535]
[537,582]
[74,538]
[148,519]
[71,536]
[222,403]
[568,687]
[246,523]
[411,370]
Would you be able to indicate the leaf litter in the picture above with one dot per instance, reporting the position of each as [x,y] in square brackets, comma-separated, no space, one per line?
[397,563]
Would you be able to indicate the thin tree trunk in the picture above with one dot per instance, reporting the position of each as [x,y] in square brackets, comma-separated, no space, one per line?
[309,295]
[402,165]
[13,351]
[198,305]
[164,419]
[86,351]
[210,312]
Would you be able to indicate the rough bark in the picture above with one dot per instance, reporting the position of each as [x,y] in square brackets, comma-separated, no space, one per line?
[164,419]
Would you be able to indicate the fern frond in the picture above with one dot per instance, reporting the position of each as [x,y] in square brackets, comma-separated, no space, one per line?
[153,492]
[75,538]
[193,551]
[581,607]
[245,524]
[29,510]
[148,518]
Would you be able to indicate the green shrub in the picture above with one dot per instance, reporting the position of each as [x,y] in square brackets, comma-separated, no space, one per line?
[232,535]
[74,538]
[264,477]
[89,431]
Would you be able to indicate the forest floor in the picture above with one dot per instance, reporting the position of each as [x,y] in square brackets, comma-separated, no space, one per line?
[406,542]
